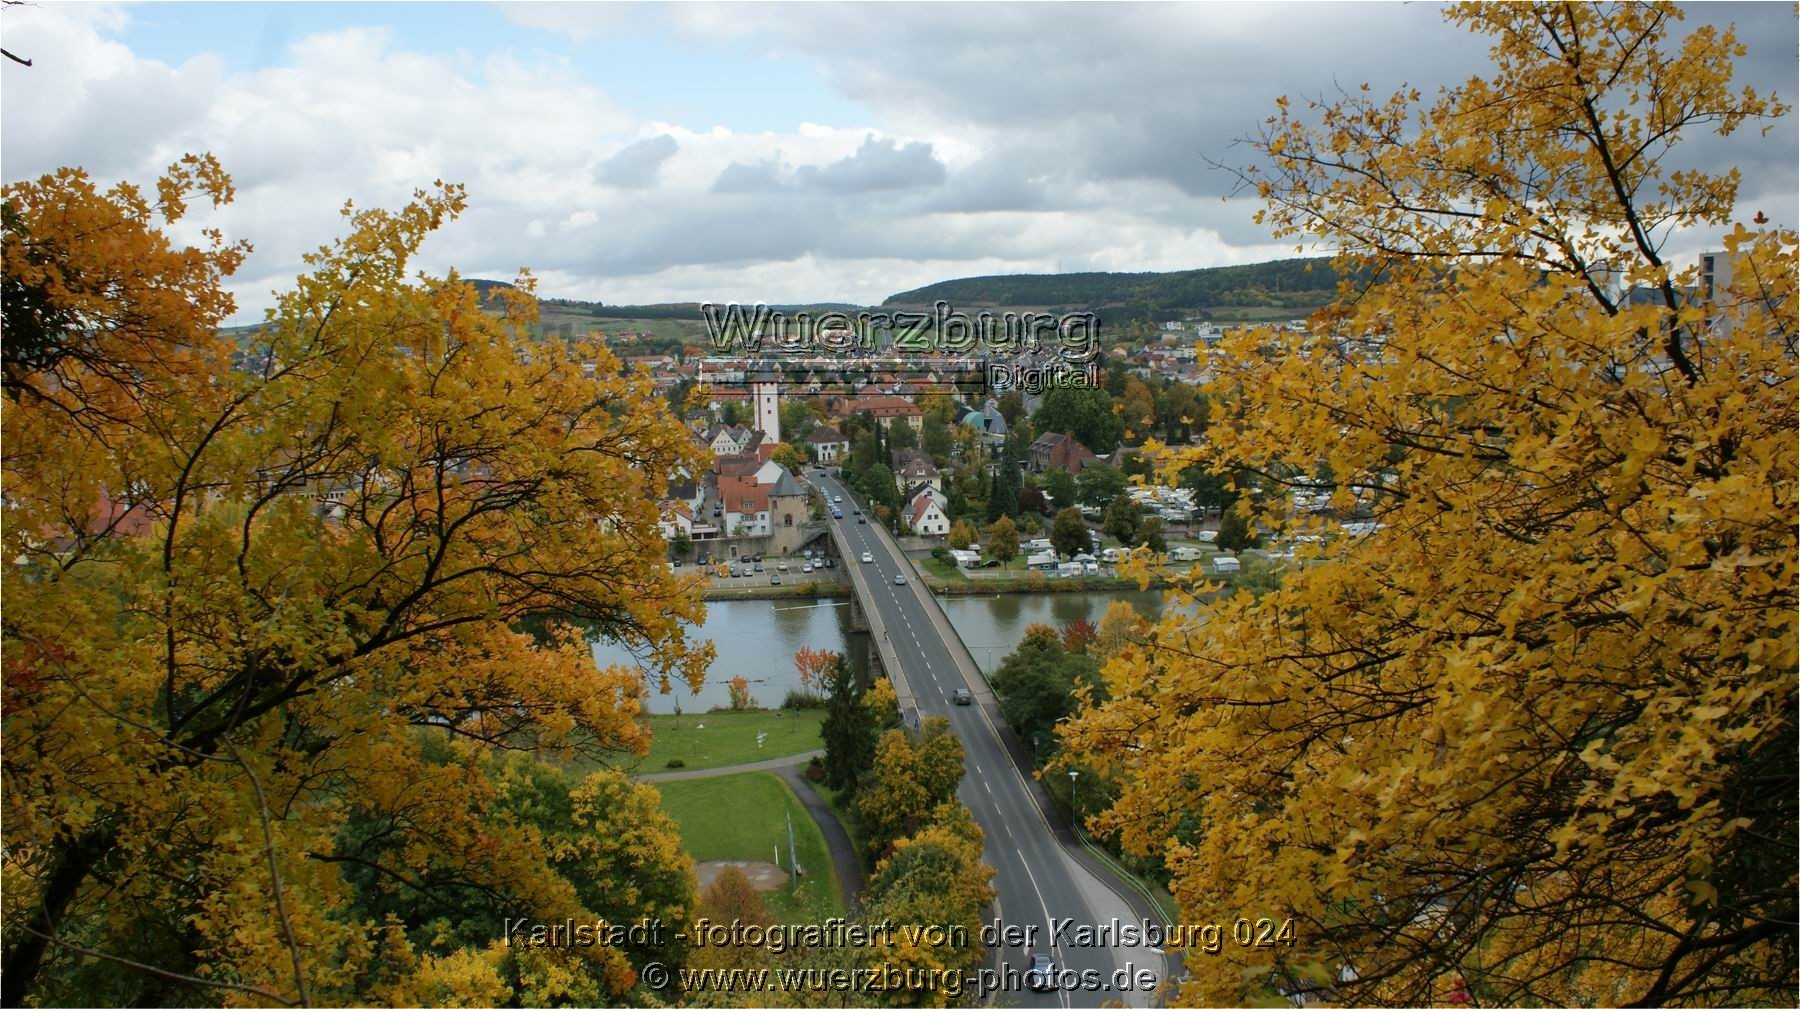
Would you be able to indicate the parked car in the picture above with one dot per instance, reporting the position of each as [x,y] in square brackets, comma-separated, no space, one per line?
[759,567]
[774,579]
[782,566]
[806,569]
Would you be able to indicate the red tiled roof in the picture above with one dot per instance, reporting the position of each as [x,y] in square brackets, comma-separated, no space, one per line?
[742,494]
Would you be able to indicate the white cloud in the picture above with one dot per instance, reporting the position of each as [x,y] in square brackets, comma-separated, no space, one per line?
[1077,143]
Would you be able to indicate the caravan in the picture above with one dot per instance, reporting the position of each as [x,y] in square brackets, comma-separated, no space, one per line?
[1185,554]
[1041,562]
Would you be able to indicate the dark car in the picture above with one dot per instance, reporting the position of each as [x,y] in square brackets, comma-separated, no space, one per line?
[961,695]
[861,520]
[1041,975]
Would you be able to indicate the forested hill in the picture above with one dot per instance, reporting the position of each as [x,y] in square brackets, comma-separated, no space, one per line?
[1284,282]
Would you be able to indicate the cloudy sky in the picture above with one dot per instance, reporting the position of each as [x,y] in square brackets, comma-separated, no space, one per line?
[638,153]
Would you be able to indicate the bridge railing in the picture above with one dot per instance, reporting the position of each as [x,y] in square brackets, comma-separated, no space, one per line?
[878,632]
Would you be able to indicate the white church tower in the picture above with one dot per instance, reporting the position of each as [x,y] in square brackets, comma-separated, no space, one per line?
[765,393]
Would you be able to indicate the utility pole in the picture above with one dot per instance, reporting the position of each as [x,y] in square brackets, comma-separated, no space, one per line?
[793,856]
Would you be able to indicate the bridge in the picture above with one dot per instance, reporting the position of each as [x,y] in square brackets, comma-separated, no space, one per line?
[1043,876]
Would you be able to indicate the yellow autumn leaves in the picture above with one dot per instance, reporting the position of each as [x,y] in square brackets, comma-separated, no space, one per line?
[1536,730]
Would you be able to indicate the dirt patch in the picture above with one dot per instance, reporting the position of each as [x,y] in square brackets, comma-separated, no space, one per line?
[763,875]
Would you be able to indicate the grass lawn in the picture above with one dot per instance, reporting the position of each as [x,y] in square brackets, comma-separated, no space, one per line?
[744,816]
[729,737]
[946,570]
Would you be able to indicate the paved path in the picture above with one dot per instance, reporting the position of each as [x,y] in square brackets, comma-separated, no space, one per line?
[772,764]
[843,852]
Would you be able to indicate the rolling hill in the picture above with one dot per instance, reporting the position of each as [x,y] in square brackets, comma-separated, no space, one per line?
[1283,283]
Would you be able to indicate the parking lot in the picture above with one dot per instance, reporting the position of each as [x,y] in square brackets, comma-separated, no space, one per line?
[770,570]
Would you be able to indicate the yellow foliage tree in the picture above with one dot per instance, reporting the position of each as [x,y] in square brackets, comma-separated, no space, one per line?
[1121,627]
[1533,721]
[250,583]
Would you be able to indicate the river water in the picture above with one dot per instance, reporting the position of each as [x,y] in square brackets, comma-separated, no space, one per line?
[757,638]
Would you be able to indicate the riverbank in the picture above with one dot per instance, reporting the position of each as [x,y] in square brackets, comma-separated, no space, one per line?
[822,589]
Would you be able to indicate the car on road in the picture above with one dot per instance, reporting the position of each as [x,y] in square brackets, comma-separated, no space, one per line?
[868,558]
[899,579]
[1041,975]
[858,512]
[961,695]
[861,521]
[839,499]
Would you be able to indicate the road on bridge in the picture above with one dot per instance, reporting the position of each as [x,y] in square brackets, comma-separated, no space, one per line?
[1039,883]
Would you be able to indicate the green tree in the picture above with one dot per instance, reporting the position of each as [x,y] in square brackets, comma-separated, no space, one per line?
[934,438]
[1121,520]
[1150,534]
[879,487]
[899,435]
[1003,498]
[1011,405]
[850,728]
[1097,486]
[1069,533]
[1060,485]
[1003,539]
[1036,684]
[1085,413]
[1235,532]
[797,419]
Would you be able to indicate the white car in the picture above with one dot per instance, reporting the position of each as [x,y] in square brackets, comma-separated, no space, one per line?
[837,499]
[899,579]
[806,569]
[868,558]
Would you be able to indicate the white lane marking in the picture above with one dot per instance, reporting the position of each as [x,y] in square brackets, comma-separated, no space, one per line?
[1061,995]
[987,787]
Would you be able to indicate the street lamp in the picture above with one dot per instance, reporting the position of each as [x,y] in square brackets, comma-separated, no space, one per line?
[1074,806]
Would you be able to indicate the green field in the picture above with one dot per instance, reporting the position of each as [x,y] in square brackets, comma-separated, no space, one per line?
[745,816]
[721,738]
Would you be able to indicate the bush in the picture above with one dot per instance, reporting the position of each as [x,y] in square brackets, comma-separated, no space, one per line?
[802,700]
[675,762]
[815,771]
[941,553]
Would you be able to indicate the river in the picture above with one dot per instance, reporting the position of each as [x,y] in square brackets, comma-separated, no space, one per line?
[757,638]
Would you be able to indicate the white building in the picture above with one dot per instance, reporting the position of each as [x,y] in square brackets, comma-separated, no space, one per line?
[925,518]
[765,395]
